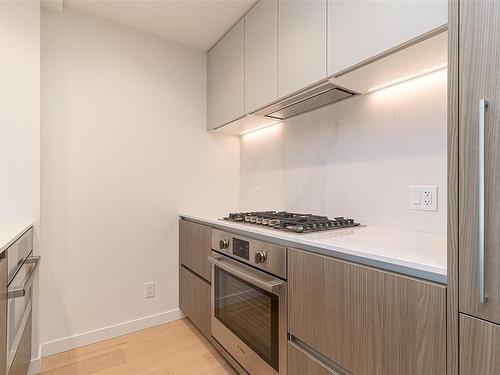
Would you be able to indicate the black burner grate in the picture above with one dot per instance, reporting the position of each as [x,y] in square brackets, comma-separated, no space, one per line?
[292,222]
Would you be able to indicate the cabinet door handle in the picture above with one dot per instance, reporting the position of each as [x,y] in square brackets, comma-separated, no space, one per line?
[483,104]
[271,285]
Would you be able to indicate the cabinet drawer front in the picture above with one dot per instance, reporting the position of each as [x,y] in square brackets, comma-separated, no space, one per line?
[300,363]
[194,300]
[479,347]
[195,242]
[18,251]
[22,359]
[367,321]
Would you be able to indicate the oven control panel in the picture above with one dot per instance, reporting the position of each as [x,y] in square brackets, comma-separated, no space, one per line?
[260,257]
[263,255]
[241,248]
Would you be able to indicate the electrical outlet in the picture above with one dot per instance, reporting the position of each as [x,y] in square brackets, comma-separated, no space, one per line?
[149,290]
[423,197]
[427,198]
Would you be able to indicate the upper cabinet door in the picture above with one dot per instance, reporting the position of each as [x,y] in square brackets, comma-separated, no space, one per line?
[359,30]
[226,78]
[301,44]
[479,159]
[261,55]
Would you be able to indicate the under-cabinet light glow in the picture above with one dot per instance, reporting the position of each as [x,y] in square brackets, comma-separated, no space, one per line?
[408,77]
[409,89]
[274,123]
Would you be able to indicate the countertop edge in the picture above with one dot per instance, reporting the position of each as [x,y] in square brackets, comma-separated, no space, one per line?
[366,261]
[16,235]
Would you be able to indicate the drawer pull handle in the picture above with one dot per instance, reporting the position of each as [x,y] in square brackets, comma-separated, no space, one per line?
[273,286]
[20,291]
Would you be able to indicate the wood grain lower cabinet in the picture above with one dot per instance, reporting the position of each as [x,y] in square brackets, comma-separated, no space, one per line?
[300,363]
[479,347]
[194,299]
[195,246]
[3,315]
[364,320]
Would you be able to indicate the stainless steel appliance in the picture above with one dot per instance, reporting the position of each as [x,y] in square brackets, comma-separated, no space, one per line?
[291,222]
[21,271]
[318,95]
[370,75]
[249,302]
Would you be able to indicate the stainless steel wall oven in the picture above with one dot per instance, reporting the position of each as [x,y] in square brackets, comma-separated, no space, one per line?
[249,302]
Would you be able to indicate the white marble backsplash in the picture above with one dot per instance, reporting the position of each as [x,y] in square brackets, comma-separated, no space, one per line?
[356,158]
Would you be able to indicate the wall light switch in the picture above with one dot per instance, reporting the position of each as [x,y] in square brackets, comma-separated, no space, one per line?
[423,197]
[416,197]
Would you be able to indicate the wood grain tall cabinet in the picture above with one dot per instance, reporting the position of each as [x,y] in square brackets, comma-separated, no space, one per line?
[474,330]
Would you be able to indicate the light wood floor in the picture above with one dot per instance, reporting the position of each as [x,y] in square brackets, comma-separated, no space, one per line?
[176,348]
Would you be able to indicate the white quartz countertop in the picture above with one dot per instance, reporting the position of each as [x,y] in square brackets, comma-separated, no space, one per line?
[417,254]
[10,232]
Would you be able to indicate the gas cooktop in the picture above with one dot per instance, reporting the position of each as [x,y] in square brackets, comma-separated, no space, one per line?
[291,222]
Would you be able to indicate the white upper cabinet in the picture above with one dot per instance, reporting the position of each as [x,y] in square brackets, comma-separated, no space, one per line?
[261,55]
[359,30]
[301,44]
[226,78]
[283,46]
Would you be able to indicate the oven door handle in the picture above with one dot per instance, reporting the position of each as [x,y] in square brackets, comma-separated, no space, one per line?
[269,286]
[20,291]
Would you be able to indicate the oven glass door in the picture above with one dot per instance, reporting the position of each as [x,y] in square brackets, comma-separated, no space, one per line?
[249,312]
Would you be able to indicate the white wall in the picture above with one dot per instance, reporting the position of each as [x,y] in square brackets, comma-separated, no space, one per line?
[124,150]
[20,119]
[19,110]
[356,158]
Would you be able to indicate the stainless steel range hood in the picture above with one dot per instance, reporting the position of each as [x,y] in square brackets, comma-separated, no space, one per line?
[316,96]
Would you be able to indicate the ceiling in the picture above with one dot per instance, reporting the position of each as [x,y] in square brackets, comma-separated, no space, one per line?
[193,23]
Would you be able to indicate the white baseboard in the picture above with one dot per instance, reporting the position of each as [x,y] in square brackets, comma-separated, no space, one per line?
[35,366]
[86,338]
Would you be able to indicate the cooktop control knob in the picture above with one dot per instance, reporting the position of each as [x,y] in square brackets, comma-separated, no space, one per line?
[224,244]
[260,257]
